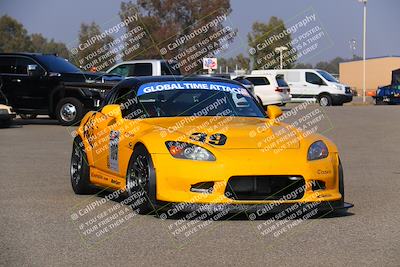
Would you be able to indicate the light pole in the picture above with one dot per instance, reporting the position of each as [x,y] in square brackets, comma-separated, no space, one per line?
[280,50]
[352,43]
[364,42]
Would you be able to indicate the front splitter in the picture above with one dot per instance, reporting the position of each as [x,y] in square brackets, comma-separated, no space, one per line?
[248,208]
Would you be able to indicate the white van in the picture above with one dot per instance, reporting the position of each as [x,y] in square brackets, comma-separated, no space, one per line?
[270,89]
[145,67]
[319,85]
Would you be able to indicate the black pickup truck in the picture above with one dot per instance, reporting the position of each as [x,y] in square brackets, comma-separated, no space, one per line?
[42,84]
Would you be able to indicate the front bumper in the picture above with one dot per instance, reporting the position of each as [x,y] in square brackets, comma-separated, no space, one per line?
[340,99]
[7,116]
[389,99]
[175,177]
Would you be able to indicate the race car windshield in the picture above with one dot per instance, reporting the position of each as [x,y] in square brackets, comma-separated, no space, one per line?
[197,99]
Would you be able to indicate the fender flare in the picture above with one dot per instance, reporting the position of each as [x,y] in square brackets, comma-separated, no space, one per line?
[61,90]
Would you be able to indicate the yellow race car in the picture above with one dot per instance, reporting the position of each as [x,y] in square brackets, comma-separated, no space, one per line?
[198,141]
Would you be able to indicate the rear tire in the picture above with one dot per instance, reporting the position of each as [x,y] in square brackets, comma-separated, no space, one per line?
[69,111]
[79,169]
[140,181]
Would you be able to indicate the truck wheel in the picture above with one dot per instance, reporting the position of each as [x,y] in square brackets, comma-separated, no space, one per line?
[69,111]
[79,169]
[325,100]
[140,180]
[28,116]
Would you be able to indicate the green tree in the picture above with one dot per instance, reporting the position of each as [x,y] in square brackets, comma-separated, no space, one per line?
[331,66]
[94,49]
[41,45]
[303,66]
[264,38]
[239,62]
[165,20]
[242,62]
[13,36]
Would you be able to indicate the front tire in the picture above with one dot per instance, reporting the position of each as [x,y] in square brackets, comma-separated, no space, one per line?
[140,181]
[79,169]
[325,100]
[341,182]
[69,111]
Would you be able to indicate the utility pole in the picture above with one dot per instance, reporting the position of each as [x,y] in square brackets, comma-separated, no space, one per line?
[280,50]
[364,43]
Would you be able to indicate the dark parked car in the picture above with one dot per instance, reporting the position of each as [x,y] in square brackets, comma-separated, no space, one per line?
[43,84]
[389,94]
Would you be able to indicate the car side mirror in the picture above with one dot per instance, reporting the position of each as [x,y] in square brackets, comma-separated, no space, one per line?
[274,112]
[33,70]
[113,111]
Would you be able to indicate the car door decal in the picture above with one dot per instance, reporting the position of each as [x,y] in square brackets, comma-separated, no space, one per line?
[88,129]
[113,155]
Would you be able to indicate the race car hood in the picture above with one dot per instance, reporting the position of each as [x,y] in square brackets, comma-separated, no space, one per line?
[239,132]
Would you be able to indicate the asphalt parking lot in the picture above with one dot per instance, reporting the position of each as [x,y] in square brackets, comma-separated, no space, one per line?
[36,202]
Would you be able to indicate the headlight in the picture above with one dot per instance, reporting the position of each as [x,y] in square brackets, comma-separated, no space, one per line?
[317,150]
[182,150]
[339,87]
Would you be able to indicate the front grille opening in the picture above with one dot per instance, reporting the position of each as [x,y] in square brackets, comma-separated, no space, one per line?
[318,185]
[266,187]
[203,187]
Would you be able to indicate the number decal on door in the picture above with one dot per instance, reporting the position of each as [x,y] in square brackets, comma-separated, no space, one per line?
[113,157]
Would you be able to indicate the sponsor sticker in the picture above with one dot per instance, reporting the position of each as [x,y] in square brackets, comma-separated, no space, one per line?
[188,85]
[113,158]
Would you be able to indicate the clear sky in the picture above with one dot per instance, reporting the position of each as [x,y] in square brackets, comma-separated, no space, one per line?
[342,20]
